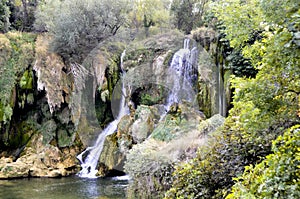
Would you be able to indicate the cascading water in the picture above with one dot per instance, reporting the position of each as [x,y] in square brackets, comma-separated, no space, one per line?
[183,72]
[221,92]
[90,156]
[181,76]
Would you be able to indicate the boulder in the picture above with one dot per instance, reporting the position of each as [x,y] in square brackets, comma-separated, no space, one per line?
[111,157]
[143,125]
[14,170]
[123,134]
[39,160]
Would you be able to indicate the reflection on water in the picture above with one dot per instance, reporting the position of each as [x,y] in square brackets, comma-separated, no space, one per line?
[63,188]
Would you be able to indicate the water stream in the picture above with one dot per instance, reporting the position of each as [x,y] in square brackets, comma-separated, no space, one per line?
[90,156]
[182,70]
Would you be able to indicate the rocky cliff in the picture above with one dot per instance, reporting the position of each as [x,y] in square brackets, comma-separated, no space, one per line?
[52,109]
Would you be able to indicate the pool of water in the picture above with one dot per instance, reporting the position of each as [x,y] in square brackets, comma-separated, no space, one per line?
[63,188]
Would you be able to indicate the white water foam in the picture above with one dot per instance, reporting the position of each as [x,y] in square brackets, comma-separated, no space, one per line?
[181,71]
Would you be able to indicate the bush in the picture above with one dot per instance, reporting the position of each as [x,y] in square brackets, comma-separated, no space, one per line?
[150,170]
[277,176]
[151,163]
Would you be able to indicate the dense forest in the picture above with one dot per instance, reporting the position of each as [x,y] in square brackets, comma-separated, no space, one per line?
[60,57]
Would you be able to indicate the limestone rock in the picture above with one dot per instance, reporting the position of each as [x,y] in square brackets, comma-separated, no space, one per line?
[14,170]
[111,157]
[124,125]
[51,76]
[123,134]
[143,125]
[39,160]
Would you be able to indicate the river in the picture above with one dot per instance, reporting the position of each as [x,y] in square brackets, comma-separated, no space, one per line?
[63,188]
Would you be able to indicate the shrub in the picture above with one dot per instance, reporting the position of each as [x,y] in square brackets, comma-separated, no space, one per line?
[151,163]
[277,176]
[150,170]
[206,175]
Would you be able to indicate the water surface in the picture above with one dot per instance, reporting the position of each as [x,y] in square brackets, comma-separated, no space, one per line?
[63,188]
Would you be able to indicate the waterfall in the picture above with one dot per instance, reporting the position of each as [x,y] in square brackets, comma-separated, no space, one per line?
[121,60]
[221,92]
[90,156]
[183,72]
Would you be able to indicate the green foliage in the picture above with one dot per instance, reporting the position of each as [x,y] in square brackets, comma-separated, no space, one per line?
[45,15]
[6,113]
[150,95]
[147,13]
[18,50]
[78,26]
[147,99]
[275,177]
[264,106]
[189,14]
[154,159]
[26,81]
[4,16]
[200,177]
[239,65]
[150,169]
[278,12]
[240,19]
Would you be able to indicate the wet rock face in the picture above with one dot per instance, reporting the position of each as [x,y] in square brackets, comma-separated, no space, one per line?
[39,160]
[131,130]
[146,63]
[214,92]
[138,126]
[125,140]
[41,128]
[144,124]
[111,157]
[65,107]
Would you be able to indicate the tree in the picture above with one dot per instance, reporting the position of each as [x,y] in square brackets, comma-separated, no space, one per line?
[78,26]
[150,13]
[4,16]
[22,14]
[188,14]
[45,15]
